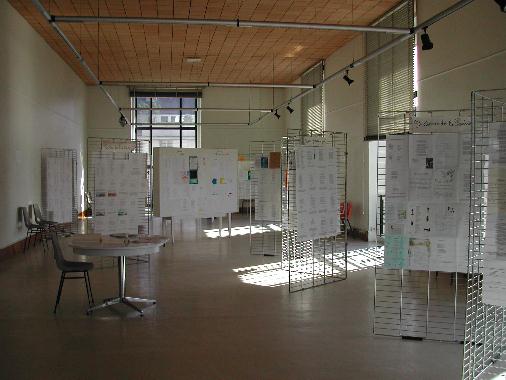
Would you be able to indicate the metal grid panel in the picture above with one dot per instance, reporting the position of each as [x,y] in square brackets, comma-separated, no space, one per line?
[485,337]
[95,150]
[265,235]
[409,303]
[62,153]
[314,262]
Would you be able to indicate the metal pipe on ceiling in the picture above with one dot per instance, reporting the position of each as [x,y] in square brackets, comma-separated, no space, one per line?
[181,85]
[183,125]
[396,41]
[79,57]
[196,109]
[233,23]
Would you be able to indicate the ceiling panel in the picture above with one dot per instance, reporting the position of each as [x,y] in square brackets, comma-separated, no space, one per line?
[158,53]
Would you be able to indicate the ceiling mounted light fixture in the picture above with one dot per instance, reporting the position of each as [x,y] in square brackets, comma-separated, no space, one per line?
[122,121]
[277,114]
[502,4]
[348,79]
[193,60]
[426,42]
[290,109]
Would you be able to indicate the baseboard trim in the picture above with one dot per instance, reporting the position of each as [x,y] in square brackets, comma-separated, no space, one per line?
[12,249]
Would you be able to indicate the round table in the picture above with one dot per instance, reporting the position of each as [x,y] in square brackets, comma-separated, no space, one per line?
[97,245]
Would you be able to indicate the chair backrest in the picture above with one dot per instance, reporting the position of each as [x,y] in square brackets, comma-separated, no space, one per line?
[26,217]
[57,251]
[36,211]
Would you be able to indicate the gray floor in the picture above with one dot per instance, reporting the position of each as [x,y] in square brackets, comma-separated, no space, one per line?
[213,320]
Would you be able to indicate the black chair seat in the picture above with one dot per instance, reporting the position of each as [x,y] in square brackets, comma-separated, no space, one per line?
[76,266]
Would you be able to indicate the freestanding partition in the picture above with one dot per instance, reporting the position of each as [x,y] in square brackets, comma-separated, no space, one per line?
[424,300]
[59,189]
[485,329]
[265,198]
[314,245]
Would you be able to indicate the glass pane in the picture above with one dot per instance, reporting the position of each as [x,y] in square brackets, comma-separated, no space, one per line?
[188,118]
[143,102]
[142,117]
[165,116]
[189,102]
[166,138]
[189,139]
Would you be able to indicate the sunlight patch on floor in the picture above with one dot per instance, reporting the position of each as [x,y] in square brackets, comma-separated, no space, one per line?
[242,230]
[273,274]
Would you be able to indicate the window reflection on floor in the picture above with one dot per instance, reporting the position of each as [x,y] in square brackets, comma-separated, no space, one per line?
[274,274]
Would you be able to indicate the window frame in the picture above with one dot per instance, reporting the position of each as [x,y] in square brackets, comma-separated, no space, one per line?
[150,126]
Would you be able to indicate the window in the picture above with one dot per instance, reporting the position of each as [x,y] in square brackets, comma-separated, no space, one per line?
[167,121]
[389,78]
[312,103]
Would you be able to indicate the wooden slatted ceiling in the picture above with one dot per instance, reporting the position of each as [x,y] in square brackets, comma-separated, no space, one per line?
[157,53]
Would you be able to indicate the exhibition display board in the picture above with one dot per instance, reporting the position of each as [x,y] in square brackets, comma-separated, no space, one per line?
[195,182]
[265,198]
[314,237]
[423,172]
[120,187]
[427,201]
[59,201]
[485,325]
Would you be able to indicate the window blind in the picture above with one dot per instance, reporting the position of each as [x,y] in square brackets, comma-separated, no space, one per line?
[312,103]
[389,76]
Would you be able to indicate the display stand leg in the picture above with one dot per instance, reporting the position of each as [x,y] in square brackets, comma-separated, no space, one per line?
[220,225]
[229,224]
[172,229]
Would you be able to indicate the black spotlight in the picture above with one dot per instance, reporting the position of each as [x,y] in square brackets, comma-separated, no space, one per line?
[502,4]
[277,114]
[348,79]
[122,121]
[426,42]
[290,109]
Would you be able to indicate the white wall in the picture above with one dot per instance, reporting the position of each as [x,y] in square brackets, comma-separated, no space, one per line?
[469,54]
[239,137]
[101,115]
[344,112]
[43,105]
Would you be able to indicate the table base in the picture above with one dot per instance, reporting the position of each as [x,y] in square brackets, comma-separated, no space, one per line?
[124,300]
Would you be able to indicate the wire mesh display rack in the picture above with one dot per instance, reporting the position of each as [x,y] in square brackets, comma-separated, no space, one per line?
[314,262]
[69,154]
[96,150]
[264,221]
[413,303]
[485,332]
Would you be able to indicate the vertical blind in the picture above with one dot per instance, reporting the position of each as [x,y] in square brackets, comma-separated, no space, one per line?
[389,76]
[312,103]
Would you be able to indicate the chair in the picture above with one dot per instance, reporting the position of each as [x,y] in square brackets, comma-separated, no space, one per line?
[41,221]
[71,267]
[31,229]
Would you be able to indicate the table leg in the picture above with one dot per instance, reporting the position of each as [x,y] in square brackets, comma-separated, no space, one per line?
[122,298]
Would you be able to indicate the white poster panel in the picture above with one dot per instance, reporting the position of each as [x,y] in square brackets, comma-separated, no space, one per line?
[58,190]
[195,182]
[425,202]
[120,191]
[267,194]
[316,192]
